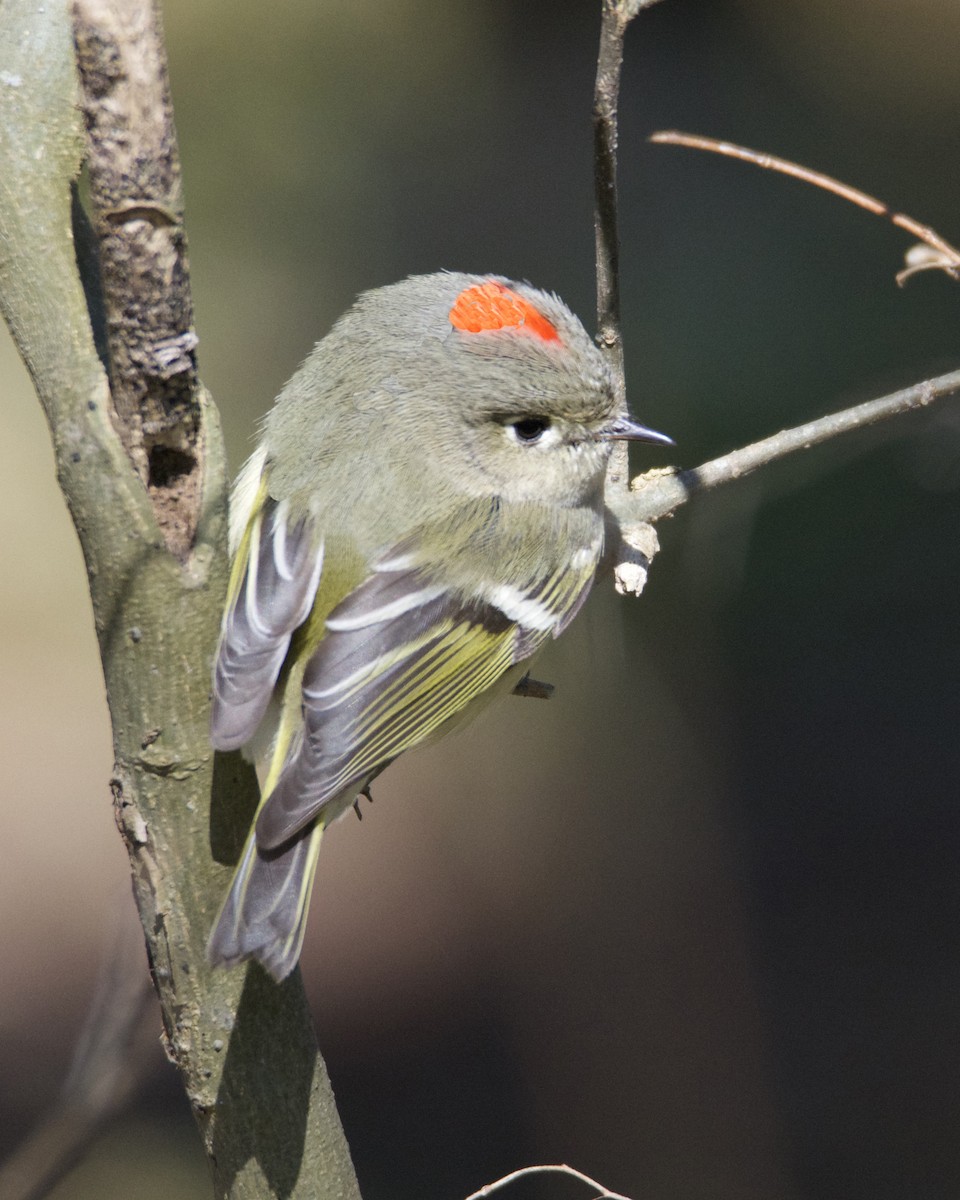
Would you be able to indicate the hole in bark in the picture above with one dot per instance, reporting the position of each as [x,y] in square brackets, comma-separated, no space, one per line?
[167,465]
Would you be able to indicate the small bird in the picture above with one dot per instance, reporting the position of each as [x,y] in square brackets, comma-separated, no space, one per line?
[424,513]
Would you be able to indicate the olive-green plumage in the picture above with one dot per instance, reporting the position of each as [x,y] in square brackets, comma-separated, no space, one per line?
[424,512]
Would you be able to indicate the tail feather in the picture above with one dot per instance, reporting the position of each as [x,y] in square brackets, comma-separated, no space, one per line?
[264,914]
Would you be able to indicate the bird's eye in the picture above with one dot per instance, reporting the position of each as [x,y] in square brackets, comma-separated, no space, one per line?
[530,429]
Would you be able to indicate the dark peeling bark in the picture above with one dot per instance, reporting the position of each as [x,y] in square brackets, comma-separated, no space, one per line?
[136,208]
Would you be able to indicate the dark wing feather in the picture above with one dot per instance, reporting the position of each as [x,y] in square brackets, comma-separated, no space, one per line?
[275,582]
[265,910]
[401,656]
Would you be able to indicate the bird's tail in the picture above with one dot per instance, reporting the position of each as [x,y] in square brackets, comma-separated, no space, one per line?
[264,914]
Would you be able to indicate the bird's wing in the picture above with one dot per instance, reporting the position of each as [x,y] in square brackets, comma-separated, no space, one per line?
[272,587]
[401,655]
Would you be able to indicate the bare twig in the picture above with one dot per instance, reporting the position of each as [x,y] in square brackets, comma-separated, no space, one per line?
[542,1169]
[635,546]
[935,254]
[659,493]
[614,22]
[616,16]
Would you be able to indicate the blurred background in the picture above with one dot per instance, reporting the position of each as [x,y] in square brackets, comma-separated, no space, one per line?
[693,926]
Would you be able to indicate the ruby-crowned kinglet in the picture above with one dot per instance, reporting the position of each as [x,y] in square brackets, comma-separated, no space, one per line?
[425,511]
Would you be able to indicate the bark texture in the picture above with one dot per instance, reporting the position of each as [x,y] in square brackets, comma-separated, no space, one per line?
[157,570]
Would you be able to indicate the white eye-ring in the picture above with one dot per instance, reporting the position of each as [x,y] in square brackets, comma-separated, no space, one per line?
[528,430]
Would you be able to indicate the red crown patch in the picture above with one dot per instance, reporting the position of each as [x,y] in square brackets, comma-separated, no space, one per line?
[493,306]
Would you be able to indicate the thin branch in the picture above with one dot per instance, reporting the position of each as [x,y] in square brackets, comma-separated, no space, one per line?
[614,21]
[634,545]
[616,15]
[556,1169]
[944,256]
[659,493]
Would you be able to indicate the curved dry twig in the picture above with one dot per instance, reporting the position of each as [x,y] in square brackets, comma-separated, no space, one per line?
[935,253]
[545,1169]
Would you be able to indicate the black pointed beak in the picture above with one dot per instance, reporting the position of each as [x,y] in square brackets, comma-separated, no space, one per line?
[626,429]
